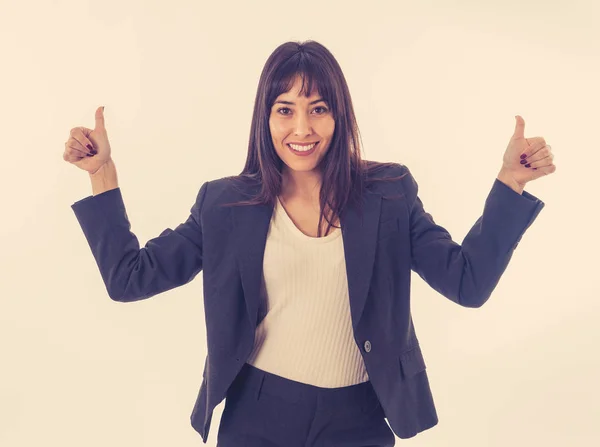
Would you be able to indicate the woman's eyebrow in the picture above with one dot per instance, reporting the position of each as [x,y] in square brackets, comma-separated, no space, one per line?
[293,104]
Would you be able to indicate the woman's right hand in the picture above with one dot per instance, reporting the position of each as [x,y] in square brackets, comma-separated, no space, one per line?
[77,152]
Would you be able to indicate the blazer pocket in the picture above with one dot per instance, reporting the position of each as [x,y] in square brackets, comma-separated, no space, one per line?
[411,362]
[387,228]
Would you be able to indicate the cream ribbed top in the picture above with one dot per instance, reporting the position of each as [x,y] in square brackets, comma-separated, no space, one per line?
[305,326]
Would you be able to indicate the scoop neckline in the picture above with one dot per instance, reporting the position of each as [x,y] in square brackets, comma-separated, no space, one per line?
[298,233]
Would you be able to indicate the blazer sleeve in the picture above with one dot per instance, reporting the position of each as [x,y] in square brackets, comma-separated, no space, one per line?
[131,273]
[468,273]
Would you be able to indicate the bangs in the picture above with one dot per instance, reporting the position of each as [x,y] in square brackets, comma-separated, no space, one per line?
[305,66]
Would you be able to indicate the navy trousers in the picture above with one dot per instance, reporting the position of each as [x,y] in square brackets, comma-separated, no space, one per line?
[267,410]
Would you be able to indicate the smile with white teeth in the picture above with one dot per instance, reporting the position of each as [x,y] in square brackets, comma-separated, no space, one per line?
[302,148]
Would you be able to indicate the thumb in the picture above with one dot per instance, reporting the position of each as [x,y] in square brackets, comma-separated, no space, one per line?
[100,118]
[519,128]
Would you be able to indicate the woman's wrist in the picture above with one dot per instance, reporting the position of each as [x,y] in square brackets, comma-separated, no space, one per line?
[105,178]
[505,178]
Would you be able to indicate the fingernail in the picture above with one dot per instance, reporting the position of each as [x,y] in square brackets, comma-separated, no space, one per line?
[90,147]
[523,155]
[523,162]
[527,165]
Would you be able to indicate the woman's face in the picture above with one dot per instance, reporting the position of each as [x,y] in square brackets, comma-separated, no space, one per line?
[301,120]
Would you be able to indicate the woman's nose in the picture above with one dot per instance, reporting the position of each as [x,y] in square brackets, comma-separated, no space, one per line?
[301,125]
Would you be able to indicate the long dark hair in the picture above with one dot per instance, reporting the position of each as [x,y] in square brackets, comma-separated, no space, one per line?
[344,173]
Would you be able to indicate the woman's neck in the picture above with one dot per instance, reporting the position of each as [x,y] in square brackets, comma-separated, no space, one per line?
[305,186]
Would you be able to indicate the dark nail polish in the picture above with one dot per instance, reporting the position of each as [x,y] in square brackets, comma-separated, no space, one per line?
[523,155]
[90,147]
[89,155]
[523,162]
[527,165]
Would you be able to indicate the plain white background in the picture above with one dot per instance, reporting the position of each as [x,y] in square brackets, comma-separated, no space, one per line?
[435,85]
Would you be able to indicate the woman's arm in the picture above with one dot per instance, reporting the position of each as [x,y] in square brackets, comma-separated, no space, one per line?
[129,272]
[468,273]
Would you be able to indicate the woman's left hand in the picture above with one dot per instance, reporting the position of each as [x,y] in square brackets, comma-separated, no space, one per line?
[535,153]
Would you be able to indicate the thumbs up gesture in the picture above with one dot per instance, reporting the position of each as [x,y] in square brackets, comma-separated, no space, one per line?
[86,148]
[527,159]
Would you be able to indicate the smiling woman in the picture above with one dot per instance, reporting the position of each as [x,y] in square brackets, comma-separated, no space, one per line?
[303,98]
[302,125]
[310,334]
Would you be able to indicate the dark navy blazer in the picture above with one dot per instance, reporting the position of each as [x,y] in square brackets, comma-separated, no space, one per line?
[381,248]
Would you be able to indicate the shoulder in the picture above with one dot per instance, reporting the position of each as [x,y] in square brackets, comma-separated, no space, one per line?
[391,177]
[214,197]
[223,188]
[383,169]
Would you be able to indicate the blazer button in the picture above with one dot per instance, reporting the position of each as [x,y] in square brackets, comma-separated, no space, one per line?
[368,346]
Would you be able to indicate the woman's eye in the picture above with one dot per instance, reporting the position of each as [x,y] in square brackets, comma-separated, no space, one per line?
[287,108]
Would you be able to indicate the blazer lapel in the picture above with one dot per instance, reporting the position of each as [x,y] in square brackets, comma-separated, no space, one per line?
[250,228]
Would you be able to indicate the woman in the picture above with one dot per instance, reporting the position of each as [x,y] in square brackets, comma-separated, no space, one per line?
[306,259]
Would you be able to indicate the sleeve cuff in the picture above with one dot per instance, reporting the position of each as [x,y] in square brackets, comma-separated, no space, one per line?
[106,207]
[517,211]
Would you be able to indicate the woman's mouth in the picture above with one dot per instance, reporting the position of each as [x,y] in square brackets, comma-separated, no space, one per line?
[303,151]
